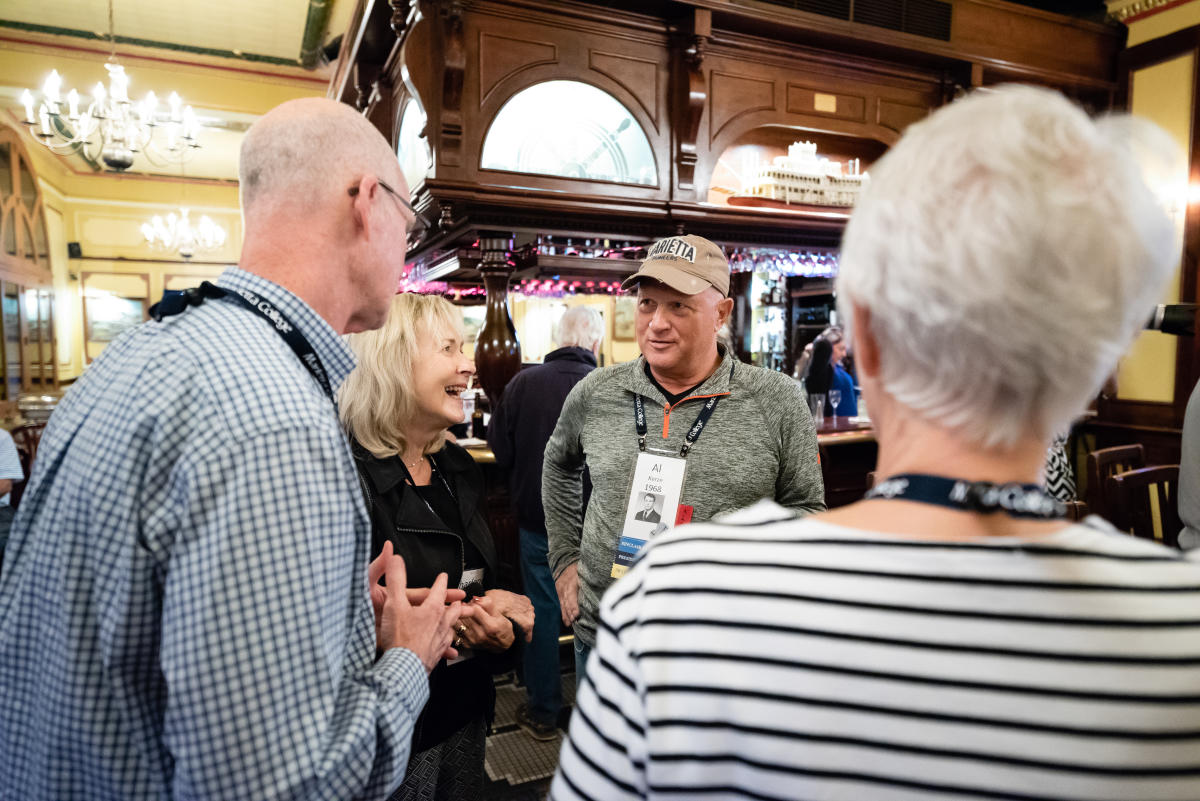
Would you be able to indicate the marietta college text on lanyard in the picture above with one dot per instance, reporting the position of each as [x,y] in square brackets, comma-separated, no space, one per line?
[657,487]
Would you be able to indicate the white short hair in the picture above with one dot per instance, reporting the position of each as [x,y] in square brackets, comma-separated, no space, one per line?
[1008,248]
[581,327]
[307,149]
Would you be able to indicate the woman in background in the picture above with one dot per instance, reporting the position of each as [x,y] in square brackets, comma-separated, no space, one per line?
[425,495]
[842,381]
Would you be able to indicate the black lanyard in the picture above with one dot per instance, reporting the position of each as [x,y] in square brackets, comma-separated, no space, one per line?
[693,434]
[178,301]
[1014,500]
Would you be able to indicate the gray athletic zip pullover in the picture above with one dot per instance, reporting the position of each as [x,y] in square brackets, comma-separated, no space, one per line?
[759,443]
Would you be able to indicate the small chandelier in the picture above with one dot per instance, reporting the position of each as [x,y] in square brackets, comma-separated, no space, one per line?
[176,234]
[111,128]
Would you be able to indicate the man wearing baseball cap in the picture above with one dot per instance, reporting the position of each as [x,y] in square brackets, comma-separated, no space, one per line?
[687,421]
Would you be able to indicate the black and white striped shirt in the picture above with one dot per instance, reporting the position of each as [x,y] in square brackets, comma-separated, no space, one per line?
[802,660]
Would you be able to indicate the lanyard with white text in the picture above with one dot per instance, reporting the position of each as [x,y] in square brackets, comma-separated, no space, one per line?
[1014,500]
[693,434]
[176,302]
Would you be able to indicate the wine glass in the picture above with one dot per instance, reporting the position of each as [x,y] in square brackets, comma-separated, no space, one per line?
[835,397]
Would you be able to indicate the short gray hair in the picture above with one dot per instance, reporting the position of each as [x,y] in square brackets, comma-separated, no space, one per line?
[309,148]
[581,327]
[1008,249]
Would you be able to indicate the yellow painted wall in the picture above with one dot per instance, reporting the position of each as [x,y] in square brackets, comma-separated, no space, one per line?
[1173,19]
[536,318]
[1162,93]
[103,213]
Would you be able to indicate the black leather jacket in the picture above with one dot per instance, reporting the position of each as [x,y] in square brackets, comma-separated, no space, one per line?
[461,692]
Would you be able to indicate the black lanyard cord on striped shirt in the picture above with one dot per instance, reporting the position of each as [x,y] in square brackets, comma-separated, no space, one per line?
[986,497]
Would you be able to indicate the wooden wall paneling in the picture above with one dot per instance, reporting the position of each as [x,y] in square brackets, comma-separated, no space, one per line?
[757,84]
[521,45]
[501,57]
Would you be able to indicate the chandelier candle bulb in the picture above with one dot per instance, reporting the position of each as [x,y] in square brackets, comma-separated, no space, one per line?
[176,106]
[27,102]
[52,89]
[73,105]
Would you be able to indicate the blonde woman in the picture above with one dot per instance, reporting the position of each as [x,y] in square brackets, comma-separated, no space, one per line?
[426,497]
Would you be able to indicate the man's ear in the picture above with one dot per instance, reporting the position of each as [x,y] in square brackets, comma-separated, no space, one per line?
[724,309]
[361,203]
[866,347]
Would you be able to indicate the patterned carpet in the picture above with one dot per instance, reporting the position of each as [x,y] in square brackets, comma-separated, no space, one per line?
[518,767]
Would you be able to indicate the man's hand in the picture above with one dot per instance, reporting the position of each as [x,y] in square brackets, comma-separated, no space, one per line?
[567,585]
[426,628]
[516,608]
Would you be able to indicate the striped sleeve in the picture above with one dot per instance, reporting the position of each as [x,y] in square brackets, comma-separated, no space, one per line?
[604,758]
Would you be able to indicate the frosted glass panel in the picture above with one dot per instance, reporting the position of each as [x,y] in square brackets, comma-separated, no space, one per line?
[569,129]
[411,148]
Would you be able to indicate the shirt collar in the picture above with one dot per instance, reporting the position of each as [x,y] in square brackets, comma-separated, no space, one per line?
[335,355]
[718,383]
[573,353]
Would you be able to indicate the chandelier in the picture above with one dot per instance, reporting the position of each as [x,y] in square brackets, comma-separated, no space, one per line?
[176,234]
[111,128]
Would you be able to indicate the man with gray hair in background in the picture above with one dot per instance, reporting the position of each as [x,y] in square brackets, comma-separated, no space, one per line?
[187,606]
[518,433]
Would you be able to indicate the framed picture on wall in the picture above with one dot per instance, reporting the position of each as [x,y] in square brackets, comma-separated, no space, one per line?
[108,316]
[624,316]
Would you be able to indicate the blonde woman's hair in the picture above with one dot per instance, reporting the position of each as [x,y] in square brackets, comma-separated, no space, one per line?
[376,400]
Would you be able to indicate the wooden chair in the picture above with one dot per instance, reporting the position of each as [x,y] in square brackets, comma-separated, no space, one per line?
[27,437]
[1076,510]
[1104,463]
[1144,503]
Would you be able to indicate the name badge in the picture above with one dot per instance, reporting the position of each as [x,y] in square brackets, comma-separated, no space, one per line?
[653,504]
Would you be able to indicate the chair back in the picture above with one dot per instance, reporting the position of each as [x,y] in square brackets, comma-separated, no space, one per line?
[1104,463]
[1144,503]
[27,437]
[1076,510]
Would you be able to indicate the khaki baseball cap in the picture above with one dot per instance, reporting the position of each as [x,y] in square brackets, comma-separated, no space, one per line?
[688,264]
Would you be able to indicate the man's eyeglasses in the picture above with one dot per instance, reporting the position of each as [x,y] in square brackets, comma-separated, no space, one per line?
[417,226]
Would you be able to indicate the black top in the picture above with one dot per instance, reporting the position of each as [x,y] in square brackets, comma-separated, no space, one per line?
[523,422]
[400,514]
[437,496]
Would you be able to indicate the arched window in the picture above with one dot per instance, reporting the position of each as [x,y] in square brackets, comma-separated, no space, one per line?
[572,130]
[411,147]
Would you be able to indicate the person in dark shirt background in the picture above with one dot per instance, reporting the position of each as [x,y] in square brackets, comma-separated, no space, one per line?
[519,430]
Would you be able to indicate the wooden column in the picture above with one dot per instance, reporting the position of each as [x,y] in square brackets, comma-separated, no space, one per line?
[497,351]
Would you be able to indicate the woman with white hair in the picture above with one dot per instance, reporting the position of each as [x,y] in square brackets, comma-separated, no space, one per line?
[426,497]
[951,635]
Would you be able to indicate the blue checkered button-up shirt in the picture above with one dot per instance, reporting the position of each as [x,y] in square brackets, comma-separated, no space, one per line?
[184,609]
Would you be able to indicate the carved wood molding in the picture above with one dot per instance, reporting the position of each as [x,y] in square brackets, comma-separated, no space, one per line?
[693,95]
[454,66]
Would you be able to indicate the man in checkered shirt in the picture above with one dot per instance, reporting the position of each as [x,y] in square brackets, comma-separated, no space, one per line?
[184,604]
